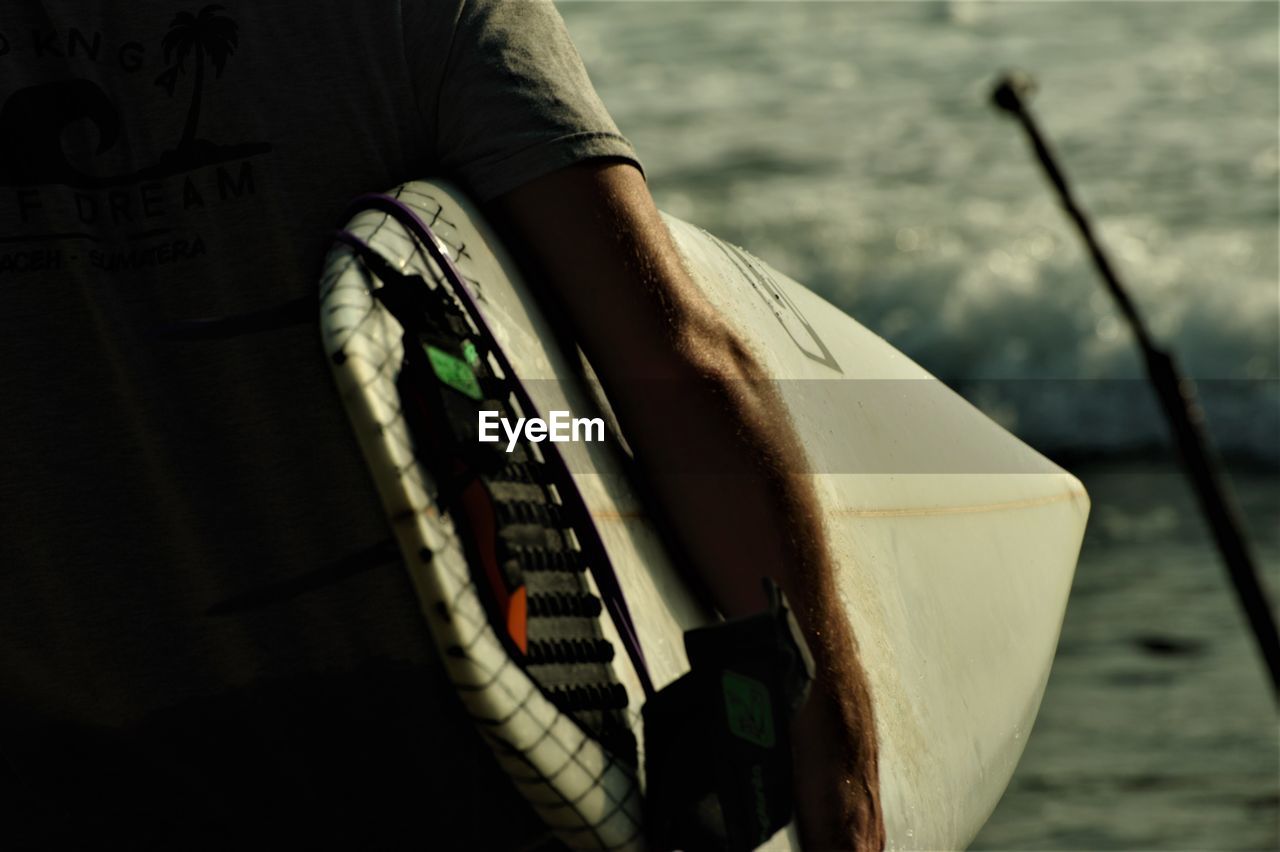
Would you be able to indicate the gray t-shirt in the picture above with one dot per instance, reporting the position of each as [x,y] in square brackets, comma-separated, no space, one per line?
[201,617]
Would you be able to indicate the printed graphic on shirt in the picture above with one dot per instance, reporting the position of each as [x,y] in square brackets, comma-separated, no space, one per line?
[61,200]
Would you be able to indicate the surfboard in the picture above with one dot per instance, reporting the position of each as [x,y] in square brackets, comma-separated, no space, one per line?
[956,543]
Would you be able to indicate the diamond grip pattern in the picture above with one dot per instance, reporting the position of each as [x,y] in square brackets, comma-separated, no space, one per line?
[586,792]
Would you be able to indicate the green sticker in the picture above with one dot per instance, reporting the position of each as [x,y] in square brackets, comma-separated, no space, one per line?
[469,352]
[747,705]
[454,372]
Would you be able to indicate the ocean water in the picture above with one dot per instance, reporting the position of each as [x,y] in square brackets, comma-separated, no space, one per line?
[851,145]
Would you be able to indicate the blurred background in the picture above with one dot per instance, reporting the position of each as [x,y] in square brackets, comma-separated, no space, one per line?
[851,145]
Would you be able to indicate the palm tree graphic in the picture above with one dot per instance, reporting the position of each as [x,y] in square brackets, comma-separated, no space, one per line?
[206,34]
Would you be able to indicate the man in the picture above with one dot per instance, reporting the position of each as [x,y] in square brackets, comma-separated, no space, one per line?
[160,163]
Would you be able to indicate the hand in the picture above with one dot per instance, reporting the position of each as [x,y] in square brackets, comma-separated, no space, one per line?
[837,790]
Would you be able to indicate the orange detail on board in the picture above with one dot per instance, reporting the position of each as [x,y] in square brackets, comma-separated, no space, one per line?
[484,530]
[518,619]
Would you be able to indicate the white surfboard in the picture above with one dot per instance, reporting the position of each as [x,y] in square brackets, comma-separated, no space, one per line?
[955,542]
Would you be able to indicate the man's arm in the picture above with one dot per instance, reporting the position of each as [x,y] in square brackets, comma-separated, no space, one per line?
[689,394]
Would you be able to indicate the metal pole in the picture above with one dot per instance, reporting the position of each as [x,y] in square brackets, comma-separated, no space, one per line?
[1176,395]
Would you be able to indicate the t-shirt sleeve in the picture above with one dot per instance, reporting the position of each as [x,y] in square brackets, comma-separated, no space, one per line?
[509,100]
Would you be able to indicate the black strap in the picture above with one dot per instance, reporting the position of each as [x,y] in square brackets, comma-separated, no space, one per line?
[718,761]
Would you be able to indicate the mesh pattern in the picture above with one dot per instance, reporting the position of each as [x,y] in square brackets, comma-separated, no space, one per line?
[589,798]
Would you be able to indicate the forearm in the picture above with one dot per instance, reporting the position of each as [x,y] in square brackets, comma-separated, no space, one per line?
[716,445]
[761,518]
[747,512]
